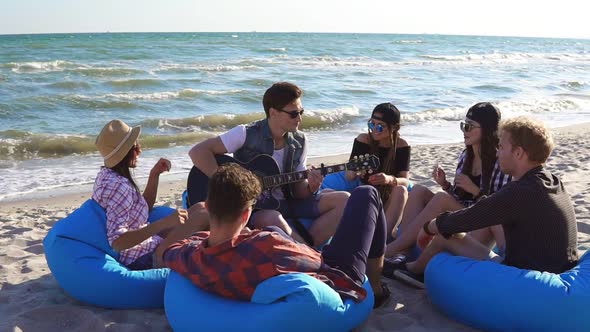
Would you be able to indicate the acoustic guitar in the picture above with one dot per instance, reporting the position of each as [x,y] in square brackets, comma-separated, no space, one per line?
[269,173]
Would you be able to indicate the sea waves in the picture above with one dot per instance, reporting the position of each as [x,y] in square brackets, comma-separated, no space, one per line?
[163,133]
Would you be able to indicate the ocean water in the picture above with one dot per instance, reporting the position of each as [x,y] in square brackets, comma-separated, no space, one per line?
[58,90]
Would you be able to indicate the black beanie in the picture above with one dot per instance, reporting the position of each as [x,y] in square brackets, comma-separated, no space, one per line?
[486,114]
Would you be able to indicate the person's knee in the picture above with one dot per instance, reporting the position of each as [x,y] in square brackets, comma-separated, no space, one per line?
[420,193]
[441,199]
[335,197]
[268,218]
[365,192]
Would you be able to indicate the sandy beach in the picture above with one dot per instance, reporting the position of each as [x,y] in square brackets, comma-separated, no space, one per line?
[31,299]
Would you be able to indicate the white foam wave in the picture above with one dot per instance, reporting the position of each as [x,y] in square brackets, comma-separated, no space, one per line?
[411,41]
[426,60]
[61,66]
[330,113]
[181,68]
[499,58]
[165,95]
[541,106]
[42,66]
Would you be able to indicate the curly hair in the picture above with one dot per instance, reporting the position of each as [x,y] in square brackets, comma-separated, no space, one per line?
[232,189]
[531,135]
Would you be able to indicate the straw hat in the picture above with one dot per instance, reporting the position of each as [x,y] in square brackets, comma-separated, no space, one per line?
[115,140]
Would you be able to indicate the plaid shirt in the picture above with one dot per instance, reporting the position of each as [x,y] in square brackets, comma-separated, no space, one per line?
[126,211]
[497,181]
[235,267]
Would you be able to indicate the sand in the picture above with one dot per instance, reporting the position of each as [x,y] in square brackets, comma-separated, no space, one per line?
[31,299]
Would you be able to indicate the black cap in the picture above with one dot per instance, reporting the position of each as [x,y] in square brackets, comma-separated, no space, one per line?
[387,112]
[486,114]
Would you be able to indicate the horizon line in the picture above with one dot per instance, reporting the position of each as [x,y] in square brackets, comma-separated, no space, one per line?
[294,32]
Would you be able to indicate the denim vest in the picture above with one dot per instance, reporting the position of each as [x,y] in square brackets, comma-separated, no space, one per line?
[259,141]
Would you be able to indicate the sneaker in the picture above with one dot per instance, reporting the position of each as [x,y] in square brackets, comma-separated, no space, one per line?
[383,299]
[409,278]
[393,263]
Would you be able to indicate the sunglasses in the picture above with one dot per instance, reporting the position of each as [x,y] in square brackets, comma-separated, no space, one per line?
[375,127]
[293,114]
[466,126]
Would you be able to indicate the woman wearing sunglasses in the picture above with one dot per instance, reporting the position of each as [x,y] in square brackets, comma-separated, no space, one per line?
[477,174]
[391,179]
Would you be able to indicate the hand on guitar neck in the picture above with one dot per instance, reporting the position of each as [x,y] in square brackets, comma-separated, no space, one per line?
[266,168]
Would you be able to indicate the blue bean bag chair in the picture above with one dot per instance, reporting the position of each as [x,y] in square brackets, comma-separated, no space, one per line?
[289,302]
[496,297]
[338,181]
[86,267]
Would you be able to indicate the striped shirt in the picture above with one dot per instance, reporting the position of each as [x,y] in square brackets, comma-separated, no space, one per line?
[497,181]
[126,210]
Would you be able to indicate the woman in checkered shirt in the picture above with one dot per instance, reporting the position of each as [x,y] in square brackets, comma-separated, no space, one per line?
[127,210]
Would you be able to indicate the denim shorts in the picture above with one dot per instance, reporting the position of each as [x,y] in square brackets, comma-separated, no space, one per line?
[301,208]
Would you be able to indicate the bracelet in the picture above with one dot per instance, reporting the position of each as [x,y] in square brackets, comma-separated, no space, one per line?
[394,183]
[426,230]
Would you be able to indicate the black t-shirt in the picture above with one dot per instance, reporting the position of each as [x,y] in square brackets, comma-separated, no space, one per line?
[402,156]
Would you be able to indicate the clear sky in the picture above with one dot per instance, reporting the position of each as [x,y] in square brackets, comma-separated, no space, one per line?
[563,18]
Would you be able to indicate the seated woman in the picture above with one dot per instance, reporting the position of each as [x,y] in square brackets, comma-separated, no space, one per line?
[231,260]
[477,174]
[391,180]
[127,211]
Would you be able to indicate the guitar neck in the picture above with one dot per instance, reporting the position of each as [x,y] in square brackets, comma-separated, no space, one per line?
[281,179]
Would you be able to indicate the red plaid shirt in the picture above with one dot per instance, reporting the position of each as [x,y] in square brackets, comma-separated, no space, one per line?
[234,268]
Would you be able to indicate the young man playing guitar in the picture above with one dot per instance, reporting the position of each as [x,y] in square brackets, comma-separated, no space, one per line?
[278,136]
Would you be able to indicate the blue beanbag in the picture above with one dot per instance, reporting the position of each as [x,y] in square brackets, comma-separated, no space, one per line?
[289,302]
[338,181]
[86,267]
[496,297]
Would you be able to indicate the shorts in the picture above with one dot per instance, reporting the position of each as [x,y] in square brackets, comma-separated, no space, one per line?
[145,262]
[308,208]
[300,208]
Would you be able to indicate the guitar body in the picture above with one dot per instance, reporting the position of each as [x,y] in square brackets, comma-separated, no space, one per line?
[261,166]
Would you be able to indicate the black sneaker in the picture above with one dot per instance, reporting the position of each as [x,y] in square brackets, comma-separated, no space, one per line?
[409,278]
[383,299]
[393,263]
